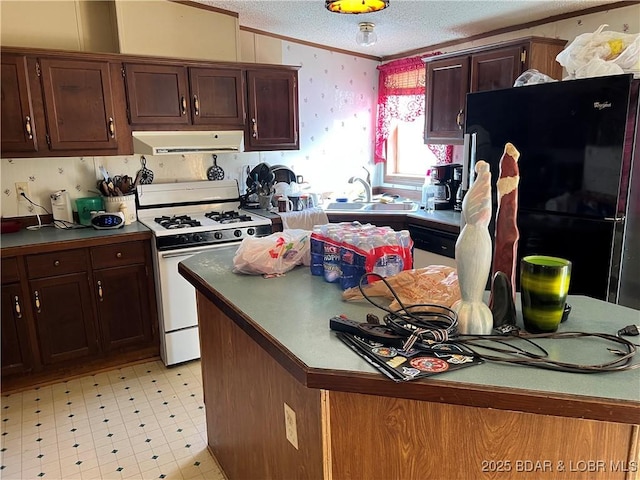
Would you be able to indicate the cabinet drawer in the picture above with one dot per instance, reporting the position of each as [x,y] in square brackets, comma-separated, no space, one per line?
[57,263]
[435,241]
[117,255]
[10,270]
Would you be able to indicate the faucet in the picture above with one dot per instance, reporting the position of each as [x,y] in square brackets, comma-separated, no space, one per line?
[367,187]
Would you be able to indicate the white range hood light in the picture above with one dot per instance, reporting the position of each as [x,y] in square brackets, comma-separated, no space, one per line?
[175,143]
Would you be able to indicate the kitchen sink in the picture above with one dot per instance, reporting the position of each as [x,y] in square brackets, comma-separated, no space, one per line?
[346,206]
[389,207]
[372,207]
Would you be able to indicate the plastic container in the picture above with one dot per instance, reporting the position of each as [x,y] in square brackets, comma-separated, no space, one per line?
[85,206]
[317,252]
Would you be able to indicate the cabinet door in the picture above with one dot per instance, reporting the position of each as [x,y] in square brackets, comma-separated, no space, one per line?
[79,104]
[447,85]
[216,96]
[64,316]
[123,306]
[157,94]
[18,122]
[16,354]
[273,110]
[495,69]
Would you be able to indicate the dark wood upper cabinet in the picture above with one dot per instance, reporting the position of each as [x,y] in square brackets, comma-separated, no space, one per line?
[450,77]
[173,96]
[217,96]
[19,132]
[58,104]
[79,104]
[272,122]
[157,94]
[496,69]
[446,91]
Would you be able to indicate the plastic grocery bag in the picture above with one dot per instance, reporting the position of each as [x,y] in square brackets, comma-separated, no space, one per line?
[601,53]
[273,254]
[532,77]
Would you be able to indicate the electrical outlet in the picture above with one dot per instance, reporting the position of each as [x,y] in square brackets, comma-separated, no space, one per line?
[290,425]
[22,187]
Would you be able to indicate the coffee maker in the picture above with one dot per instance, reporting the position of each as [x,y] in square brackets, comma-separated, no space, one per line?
[447,179]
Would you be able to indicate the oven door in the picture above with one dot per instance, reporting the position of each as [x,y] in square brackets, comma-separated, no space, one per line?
[177,307]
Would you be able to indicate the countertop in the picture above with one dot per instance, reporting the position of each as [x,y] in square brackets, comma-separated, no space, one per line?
[450,218]
[292,313]
[25,239]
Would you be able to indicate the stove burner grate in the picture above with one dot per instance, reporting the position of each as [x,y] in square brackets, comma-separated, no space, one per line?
[180,221]
[230,216]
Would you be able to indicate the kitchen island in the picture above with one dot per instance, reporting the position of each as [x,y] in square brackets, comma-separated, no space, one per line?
[286,399]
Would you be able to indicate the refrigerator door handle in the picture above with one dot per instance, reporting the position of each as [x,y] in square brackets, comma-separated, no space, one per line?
[468,160]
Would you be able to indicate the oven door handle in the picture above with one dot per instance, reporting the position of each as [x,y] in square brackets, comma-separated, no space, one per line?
[183,252]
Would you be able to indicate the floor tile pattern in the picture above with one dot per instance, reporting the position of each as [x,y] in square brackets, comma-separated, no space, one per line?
[140,422]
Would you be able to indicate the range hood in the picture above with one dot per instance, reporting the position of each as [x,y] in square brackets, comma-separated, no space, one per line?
[177,142]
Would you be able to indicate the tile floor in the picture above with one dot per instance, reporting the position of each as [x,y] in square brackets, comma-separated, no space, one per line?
[140,422]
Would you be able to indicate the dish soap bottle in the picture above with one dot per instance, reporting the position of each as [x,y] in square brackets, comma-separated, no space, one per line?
[428,193]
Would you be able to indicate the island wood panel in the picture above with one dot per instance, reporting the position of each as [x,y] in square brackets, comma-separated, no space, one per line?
[383,437]
[244,392]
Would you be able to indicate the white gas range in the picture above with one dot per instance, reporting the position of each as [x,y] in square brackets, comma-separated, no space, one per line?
[188,218]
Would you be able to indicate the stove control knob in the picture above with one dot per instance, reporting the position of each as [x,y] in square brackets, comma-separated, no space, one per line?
[237,233]
[251,231]
[183,239]
[217,235]
[197,237]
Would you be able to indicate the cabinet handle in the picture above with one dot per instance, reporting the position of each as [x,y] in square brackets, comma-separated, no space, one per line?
[459,118]
[196,105]
[56,263]
[112,128]
[119,255]
[17,307]
[37,299]
[100,290]
[255,128]
[183,105]
[27,127]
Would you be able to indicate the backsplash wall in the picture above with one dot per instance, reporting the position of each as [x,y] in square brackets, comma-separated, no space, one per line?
[337,98]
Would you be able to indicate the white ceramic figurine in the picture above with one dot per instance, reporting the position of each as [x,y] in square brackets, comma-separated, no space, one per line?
[473,256]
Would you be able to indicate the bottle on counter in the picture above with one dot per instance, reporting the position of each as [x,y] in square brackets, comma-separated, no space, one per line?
[428,193]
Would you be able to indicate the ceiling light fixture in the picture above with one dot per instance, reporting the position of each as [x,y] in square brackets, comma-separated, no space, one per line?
[356,6]
[366,36]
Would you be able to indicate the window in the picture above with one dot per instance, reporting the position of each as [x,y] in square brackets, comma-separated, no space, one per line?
[400,128]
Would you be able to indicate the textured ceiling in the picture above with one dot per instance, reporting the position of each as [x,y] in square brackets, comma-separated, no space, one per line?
[404,26]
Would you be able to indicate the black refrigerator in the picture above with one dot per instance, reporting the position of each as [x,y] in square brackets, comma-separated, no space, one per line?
[579,189]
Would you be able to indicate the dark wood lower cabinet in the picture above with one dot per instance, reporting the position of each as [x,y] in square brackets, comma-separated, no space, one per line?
[16,353]
[73,311]
[123,306]
[64,317]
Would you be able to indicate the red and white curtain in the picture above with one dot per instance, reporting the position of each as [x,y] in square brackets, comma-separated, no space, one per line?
[401,96]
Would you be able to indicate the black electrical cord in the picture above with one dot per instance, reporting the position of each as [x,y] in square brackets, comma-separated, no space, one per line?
[439,324]
[516,355]
[435,323]
[63,224]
